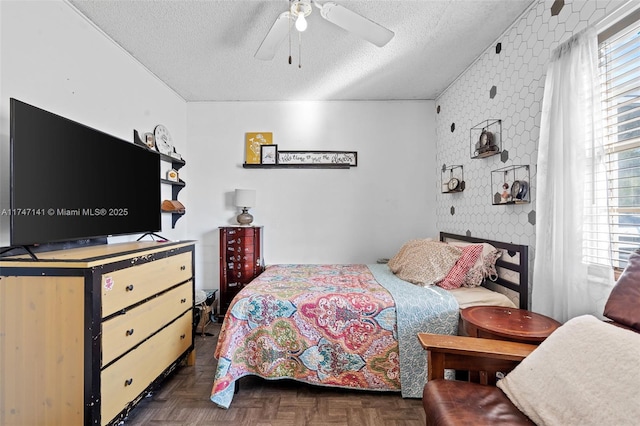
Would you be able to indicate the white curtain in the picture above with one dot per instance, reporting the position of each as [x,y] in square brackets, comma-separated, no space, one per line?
[570,154]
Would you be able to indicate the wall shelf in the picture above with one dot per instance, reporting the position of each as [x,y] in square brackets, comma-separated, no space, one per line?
[296,166]
[452,179]
[486,139]
[176,187]
[511,185]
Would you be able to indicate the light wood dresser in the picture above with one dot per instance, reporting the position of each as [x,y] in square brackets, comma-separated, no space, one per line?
[86,333]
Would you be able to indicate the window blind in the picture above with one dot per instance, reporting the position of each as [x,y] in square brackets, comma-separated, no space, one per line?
[620,75]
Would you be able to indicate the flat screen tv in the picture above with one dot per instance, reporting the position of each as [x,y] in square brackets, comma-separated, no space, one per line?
[72,182]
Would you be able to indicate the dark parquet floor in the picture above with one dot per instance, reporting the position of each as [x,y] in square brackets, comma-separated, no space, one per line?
[183,399]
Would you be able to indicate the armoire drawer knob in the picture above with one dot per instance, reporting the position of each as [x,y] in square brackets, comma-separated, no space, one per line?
[182,268]
[129,287]
[129,332]
[128,382]
[182,336]
[183,300]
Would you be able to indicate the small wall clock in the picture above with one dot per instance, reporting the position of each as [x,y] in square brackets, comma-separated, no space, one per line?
[164,143]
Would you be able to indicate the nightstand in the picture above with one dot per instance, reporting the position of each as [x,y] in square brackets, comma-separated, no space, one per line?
[516,325]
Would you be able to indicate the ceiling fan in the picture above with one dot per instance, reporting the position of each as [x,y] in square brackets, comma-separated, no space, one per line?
[332,12]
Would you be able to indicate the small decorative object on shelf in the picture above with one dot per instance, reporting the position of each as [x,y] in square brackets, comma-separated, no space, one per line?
[452,179]
[172,175]
[486,138]
[164,142]
[253,142]
[159,140]
[147,140]
[269,154]
[511,185]
[173,206]
[150,140]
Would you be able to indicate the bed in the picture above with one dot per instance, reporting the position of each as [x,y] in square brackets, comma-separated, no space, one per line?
[350,326]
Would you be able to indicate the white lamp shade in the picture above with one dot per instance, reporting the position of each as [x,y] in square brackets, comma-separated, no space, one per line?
[245,197]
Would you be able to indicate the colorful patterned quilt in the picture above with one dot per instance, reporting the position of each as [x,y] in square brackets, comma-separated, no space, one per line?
[331,325]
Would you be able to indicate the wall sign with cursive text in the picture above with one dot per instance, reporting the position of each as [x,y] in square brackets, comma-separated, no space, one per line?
[349,158]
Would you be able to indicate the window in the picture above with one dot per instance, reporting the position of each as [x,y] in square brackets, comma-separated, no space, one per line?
[620,75]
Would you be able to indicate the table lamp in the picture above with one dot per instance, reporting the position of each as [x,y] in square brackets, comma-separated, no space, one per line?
[245,199]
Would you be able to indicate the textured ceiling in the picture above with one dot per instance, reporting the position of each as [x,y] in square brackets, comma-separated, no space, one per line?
[204,49]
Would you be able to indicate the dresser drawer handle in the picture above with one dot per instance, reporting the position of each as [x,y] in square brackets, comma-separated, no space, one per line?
[182,336]
[183,268]
[183,300]
[129,332]
[129,287]
[128,382]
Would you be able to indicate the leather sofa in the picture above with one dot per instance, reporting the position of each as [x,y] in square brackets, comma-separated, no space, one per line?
[523,397]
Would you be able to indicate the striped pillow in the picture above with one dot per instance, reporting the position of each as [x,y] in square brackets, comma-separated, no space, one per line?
[456,276]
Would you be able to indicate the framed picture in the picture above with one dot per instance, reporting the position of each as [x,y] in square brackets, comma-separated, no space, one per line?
[346,158]
[269,154]
[253,141]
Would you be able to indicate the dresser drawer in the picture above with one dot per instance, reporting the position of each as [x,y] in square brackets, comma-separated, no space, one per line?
[126,287]
[241,231]
[124,380]
[242,273]
[121,333]
[239,247]
[241,258]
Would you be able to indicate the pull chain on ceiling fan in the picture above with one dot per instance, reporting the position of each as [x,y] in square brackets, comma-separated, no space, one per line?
[339,15]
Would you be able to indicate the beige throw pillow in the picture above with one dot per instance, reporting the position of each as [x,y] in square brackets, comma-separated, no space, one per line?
[424,262]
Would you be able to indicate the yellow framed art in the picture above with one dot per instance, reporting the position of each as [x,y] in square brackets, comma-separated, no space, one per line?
[253,141]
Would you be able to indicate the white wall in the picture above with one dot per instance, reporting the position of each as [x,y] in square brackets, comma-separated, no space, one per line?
[314,216]
[53,58]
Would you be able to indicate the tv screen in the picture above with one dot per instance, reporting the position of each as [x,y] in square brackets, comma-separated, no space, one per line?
[71,182]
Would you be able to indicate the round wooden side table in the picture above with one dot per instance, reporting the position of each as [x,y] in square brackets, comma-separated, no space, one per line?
[516,325]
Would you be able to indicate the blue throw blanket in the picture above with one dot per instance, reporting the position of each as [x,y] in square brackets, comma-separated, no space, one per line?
[419,310]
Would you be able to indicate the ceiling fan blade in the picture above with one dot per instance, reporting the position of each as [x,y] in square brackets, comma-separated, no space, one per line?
[357,24]
[274,38]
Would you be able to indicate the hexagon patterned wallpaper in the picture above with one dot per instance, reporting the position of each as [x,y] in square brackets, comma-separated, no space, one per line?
[506,82]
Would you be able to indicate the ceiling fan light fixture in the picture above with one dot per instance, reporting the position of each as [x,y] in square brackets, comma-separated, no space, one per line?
[300,9]
[301,23]
[339,15]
